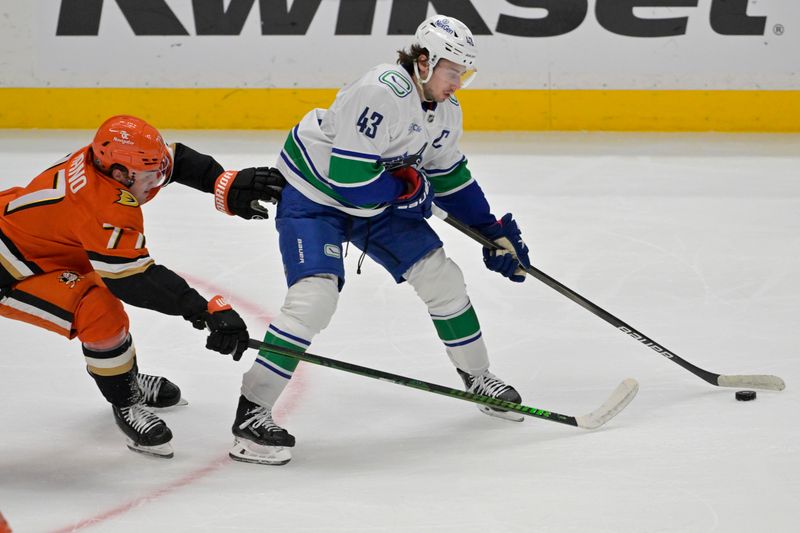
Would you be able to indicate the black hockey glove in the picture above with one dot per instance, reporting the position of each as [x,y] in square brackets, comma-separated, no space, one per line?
[228,331]
[512,258]
[239,193]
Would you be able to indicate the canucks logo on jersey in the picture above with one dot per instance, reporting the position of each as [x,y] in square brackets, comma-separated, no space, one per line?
[405,160]
[398,83]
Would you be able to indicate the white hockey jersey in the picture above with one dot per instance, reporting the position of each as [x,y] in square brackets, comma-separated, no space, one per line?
[337,157]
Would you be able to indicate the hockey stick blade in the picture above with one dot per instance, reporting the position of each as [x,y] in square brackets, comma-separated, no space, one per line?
[619,399]
[752,381]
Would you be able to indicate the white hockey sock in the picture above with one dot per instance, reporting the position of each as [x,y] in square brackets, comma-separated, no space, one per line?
[440,284]
[307,310]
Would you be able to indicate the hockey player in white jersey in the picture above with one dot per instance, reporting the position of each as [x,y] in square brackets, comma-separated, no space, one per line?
[366,171]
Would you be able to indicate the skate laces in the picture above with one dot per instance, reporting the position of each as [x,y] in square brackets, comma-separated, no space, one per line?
[139,417]
[487,384]
[150,386]
[261,417]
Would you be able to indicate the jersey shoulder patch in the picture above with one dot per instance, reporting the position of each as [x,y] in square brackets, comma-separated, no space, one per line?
[115,205]
[396,81]
[127,199]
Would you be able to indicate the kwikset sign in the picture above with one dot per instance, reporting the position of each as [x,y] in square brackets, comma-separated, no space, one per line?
[325,44]
[666,65]
[519,18]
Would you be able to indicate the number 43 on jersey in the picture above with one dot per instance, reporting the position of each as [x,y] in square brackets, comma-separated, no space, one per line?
[368,123]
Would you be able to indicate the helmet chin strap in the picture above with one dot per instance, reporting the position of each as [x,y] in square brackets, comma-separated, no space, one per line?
[420,82]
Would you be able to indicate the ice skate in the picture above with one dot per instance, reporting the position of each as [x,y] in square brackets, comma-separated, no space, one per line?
[159,392]
[146,432]
[487,384]
[257,438]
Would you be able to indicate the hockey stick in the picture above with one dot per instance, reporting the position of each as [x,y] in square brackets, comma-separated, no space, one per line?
[755,381]
[618,400]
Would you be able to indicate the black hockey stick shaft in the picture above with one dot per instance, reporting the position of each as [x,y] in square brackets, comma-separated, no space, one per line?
[414,383]
[770,382]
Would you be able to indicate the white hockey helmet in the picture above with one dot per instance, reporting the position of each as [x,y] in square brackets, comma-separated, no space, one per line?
[447,38]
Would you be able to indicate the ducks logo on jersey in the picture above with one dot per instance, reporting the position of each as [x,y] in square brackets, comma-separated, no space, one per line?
[128,199]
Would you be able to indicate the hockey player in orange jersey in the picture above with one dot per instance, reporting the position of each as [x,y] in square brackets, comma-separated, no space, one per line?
[72,249]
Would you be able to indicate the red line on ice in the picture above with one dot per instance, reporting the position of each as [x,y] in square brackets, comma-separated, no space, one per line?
[188,479]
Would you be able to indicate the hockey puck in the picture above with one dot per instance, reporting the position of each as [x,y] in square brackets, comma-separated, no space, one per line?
[745,395]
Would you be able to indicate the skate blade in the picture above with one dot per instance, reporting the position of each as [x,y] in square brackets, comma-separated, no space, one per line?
[505,415]
[249,452]
[180,403]
[162,451]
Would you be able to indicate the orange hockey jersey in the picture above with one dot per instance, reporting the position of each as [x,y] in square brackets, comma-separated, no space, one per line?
[71,217]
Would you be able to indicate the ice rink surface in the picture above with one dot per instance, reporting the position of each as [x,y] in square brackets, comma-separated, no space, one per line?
[692,239]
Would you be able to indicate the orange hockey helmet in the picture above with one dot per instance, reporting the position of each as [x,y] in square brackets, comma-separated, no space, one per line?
[134,144]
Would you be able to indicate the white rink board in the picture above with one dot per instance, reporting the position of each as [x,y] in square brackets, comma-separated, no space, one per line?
[590,56]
